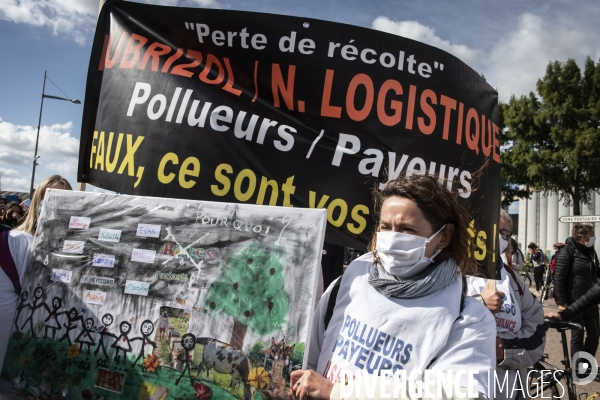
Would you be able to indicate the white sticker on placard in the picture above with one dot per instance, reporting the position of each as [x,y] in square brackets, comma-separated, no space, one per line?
[61,275]
[73,246]
[109,235]
[103,260]
[137,288]
[94,297]
[147,230]
[144,256]
[97,280]
[79,222]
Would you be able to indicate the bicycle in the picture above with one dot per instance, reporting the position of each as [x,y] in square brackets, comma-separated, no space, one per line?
[525,274]
[546,288]
[544,376]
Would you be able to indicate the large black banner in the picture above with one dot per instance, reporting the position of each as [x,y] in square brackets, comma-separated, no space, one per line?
[275,110]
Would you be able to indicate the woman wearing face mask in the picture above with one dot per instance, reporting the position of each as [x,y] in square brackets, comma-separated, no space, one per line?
[52,182]
[521,333]
[575,273]
[400,306]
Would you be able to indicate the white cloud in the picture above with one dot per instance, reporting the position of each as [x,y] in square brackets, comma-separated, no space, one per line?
[520,58]
[65,167]
[8,173]
[424,34]
[56,145]
[74,17]
[16,184]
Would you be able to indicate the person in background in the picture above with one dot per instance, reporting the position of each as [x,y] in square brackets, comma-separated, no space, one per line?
[2,201]
[537,258]
[163,324]
[513,256]
[575,273]
[552,265]
[332,263]
[521,333]
[29,225]
[13,214]
[557,246]
[15,252]
[407,290]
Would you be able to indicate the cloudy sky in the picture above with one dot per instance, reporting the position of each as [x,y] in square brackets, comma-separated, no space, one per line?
[509,41]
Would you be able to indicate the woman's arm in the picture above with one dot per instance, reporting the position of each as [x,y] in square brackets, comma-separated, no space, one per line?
[590,299]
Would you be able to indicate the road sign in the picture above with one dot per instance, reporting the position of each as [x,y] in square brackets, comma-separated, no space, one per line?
[581,218]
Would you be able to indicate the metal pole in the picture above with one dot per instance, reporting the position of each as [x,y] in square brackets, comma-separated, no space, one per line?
[81,185]
[37,139]
[526,218]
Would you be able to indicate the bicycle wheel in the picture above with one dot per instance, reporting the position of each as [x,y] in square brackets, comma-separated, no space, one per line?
[526,279]
[546,381]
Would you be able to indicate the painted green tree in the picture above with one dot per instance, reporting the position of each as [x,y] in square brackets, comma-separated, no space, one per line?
[553,138]
[251,291]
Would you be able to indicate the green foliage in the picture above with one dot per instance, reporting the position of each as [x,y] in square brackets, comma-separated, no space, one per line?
[73,371]
[552,142]
[256,356]
[251,289]
[298,354]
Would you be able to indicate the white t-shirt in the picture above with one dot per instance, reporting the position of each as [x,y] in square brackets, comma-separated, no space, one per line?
[372,332]
[19,244]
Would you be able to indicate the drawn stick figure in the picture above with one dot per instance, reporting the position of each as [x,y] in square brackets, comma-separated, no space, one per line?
[72,318]
[146,329]
[188,342]
[52,318]
[85,336]
[122,343]
[22,305]
[38,293]
[107,320]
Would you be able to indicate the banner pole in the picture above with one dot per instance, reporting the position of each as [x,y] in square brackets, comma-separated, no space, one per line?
[82,185]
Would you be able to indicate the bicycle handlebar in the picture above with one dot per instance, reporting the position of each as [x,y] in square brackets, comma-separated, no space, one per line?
[561,325]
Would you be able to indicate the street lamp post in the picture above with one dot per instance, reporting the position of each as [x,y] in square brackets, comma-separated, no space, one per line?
[37,138]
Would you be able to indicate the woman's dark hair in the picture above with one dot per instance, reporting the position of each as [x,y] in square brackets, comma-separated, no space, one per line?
[513,245]
[532,246]
[580,230]
[439,206]
[13,204]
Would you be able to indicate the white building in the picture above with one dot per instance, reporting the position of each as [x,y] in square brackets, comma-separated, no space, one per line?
[538,220]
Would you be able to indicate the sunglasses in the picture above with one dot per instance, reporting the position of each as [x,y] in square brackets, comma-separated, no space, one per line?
[505,234]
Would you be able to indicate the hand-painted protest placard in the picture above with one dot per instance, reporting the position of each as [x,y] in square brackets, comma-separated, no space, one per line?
[224,304]
[269,109]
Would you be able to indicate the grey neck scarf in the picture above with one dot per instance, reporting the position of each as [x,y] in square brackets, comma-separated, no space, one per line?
[430,280]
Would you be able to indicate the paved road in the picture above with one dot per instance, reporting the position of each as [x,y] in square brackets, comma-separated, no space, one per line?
[554,350]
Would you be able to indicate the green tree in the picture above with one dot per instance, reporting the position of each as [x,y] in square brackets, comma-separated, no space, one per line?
[552,141]
[251,291]
[509,174]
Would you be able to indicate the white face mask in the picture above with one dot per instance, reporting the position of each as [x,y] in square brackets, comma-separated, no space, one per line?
[590,243]
[503,244]
[403,254]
